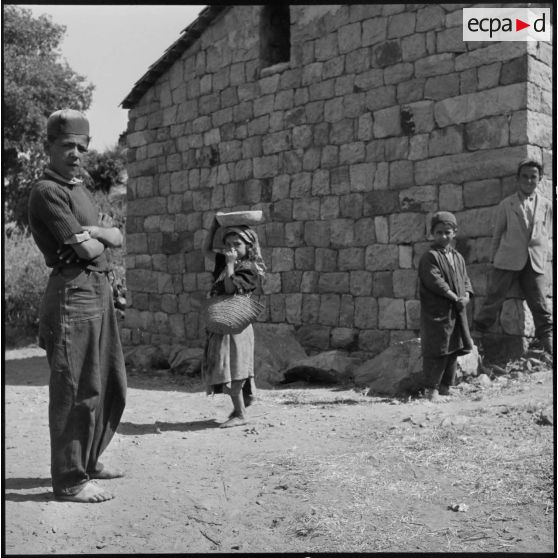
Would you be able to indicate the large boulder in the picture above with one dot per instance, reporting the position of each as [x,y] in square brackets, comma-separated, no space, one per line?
[144,358]
[276,348]
[331,367]
[398,369]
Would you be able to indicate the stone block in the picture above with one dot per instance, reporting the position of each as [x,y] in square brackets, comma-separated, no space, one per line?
[361,176]
[412,314]
[451,197]
[400,25]
[380,202]
[365,232]
[306,209]
[434,65]
[370,79]
[329,309]
[422,115]
[471,107]
[430,17]
[341,233]
[333,282]
[343,338]
[382,284]
[340,181]
[418,147]
[277,308]
[304,258]
[326,259]
[313,336]
[381,177]
[391,313]
[342,132]
[349,37]
[489,75]
[366,312]
[405,256]
[381,229]
[446,141]
[540,74]
[326,48]
[410,91]
[142,280]
[413,47]
[329,208]
[419,198]
[450,40]
[494,52]
[309,283]
[293,308]
[487,133]
[374,30]
[330,156]
[387,53]
[482,192]
[301,185]
[350,206]
[360,283]
[351,153]
[516,318]
[373,341]
[398,73]
[406,228]
[405,283]
[469,166]
[441,87]
[365,127]
[380,97]
[316,233]
[396,148]
[401,174]
[476,222]
[357,61]
[387,122]
[379,257]
[350,258]
[320,182]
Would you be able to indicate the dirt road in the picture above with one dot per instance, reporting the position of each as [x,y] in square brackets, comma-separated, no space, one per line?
[318,469]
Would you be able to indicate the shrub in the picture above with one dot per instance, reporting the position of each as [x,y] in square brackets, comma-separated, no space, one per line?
[25,279]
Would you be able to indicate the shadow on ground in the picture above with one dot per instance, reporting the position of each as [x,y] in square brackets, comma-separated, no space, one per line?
[132,429]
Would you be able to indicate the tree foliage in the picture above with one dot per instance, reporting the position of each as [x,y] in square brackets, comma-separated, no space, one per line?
[37,81]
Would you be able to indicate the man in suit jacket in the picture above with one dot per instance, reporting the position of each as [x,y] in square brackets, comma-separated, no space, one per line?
[520,244]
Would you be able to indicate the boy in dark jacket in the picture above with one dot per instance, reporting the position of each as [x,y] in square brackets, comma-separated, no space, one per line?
[444,294]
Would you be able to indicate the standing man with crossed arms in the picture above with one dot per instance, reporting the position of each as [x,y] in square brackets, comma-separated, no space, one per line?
[78,326]
[520,244]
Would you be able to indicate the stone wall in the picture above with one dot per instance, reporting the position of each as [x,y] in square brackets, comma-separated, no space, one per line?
[382,117]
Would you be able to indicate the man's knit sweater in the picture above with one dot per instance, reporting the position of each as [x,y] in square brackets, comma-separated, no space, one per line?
[57,211]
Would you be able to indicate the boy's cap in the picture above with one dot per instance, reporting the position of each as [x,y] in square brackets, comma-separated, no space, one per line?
[444,217]
[67,121]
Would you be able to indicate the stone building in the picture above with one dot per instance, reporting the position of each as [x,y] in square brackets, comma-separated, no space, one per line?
[348,125]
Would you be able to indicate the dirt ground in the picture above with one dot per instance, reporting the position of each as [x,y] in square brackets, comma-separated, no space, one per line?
[318,469]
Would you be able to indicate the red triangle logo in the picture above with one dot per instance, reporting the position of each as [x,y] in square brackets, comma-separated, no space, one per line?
[519,25]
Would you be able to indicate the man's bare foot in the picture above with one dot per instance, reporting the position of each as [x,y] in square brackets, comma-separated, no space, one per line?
[89,494]
[106,474]
[234,421]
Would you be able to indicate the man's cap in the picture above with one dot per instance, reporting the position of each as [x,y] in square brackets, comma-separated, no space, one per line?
[67,121]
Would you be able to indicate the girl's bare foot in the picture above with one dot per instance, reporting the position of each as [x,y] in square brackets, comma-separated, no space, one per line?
[89,494]
[234,421]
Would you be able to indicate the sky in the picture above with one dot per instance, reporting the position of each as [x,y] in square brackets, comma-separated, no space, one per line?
[113,46]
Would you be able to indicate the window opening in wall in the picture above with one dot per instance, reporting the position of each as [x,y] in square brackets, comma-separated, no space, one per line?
[275,34]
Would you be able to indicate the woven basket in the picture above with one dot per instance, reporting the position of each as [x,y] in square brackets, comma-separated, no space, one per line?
[230,314]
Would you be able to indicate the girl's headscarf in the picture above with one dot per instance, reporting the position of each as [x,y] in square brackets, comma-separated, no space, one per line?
[249,236]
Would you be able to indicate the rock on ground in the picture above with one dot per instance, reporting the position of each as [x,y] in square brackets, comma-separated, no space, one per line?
[398,369]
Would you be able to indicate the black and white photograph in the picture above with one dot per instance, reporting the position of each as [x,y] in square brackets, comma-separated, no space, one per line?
[278,278]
